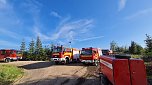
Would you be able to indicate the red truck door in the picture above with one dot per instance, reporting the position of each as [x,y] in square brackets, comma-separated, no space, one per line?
[13,54]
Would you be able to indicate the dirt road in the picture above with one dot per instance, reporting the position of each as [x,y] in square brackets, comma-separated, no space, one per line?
[46,73]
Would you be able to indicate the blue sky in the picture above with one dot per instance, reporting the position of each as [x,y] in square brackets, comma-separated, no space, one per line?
[85,23]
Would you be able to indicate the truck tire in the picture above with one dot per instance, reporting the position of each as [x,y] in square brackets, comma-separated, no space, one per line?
[84,63]
[7,60]
[56,62]
[67,60]
[104,80]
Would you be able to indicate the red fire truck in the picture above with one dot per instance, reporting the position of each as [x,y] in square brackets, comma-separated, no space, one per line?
[122,70]
[8,55]
[90,55]
[65,55]
[107,52]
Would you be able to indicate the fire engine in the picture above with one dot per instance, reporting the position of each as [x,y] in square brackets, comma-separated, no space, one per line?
[65,55]
[90,55]
[107,52]
[122,70]
[7,55]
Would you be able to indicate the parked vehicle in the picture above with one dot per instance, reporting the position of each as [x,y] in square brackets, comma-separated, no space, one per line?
[90,55]
[19,55]
[122,70]
[8,55]
[65,55]
[107,52]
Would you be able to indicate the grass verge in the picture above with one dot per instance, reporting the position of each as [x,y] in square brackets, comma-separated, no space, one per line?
[8,74]
[136,56]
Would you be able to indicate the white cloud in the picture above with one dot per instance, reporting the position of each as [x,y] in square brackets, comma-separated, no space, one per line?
[8,44]
[122,4]
[3,1]
[67,30]
[139,13]
[9,33]
[72,29]
[33,7]
[89,38]
[38,33]
[8,15]
[55,14]
[3,4]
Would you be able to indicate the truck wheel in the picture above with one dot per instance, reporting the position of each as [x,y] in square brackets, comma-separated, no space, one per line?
[104,80]
[56,63]
[84,63]
[7,60]
[67,60]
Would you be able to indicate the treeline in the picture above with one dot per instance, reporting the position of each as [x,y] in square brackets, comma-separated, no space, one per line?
[35,51]
[134,47]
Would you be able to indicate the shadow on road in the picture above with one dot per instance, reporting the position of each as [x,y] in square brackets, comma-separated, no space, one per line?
[74,64]
[63,81]
[36,65]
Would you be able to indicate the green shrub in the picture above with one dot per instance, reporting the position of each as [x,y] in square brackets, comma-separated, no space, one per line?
[149,69]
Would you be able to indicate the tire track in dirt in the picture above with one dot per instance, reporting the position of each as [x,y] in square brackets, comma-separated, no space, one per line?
[74,75]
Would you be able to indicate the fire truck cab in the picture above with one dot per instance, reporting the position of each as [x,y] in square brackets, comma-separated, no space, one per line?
[90,55]
[7,55]
[19,54]
[65,55]
[122,70]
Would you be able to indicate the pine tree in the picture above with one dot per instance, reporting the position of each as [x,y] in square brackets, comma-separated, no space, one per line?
[133,48]
[113,46]
[148,43]
[148,49]
[23,48]
[31,47]
[39,51]
[52,47]
[139,49]
[38,47]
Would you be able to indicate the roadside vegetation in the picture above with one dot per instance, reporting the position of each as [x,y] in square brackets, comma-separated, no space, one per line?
[8,74]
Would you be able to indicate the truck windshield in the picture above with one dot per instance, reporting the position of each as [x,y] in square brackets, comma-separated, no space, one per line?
[86,52]
[19,52]
[58,49]
[3,52]
[12,52]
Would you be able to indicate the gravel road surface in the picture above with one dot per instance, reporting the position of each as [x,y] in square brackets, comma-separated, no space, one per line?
[47,73]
